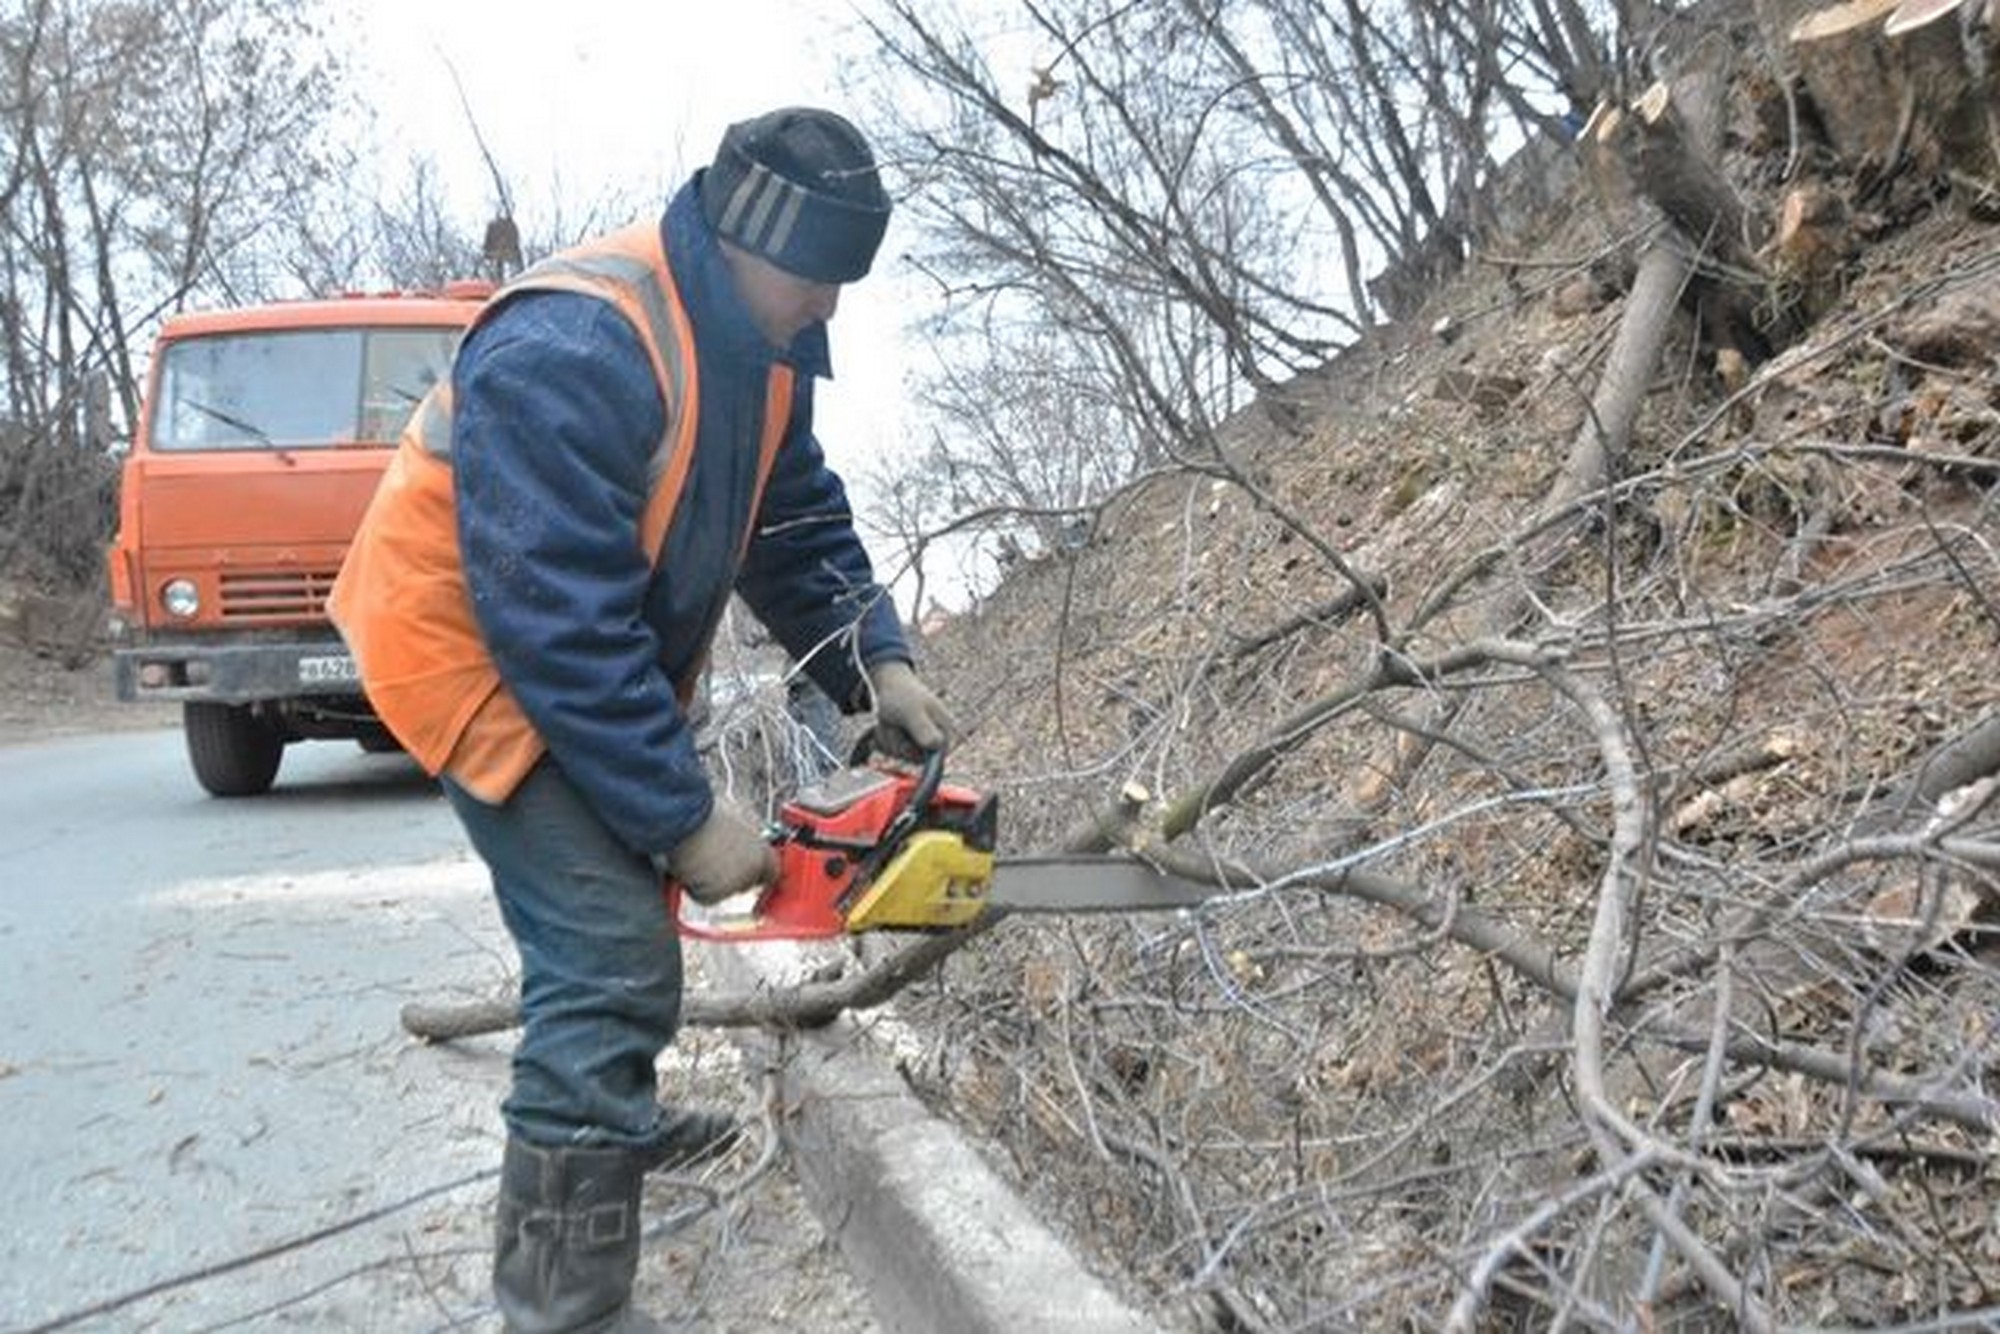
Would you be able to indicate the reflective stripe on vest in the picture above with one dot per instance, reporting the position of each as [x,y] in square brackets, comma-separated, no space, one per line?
[617,269]
[401,599]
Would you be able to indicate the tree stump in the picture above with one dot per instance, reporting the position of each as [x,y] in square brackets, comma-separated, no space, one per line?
[1597,143]
[1814,242]
[1671,167]
[1948,48]
[1664,151]
[1906,80]
[1853,78]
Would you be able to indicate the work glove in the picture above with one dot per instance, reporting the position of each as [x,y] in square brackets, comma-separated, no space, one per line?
[910,721]
[724,856]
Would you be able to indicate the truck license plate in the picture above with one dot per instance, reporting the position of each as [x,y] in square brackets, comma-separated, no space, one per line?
[326,669]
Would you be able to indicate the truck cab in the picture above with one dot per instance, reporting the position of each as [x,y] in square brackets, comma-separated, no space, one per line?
[262,435]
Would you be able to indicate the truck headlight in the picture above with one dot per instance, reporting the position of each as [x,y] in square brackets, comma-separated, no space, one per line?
[180,598]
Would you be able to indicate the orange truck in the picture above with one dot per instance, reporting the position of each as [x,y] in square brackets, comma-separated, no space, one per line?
[263,433]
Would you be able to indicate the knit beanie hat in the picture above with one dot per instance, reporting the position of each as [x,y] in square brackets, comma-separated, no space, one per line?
[798,187]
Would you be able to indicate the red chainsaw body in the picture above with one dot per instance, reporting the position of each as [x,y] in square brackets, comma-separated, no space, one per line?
[829,839]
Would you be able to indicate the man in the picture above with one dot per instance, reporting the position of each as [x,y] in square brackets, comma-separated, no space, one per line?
[626,438]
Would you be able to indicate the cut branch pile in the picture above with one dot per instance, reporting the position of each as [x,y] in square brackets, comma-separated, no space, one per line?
[1578,967]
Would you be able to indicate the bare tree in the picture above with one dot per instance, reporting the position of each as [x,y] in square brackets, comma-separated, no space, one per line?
[1117,211]
[401,235]
[1191,204]
[148,146]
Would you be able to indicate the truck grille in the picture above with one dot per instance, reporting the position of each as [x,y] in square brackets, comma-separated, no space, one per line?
[276,595]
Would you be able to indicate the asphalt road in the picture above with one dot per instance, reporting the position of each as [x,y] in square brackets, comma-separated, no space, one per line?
[202,1069]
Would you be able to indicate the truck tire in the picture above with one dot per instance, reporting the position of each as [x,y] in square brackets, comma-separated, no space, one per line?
[235,753]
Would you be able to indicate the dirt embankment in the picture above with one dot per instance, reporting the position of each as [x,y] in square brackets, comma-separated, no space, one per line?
[1328,1101]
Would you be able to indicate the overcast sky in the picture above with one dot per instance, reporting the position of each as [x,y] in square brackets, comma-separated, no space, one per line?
[591,90]
[602,98]
[597,98]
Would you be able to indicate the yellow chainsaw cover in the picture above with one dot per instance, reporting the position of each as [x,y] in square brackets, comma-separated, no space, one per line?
[935,881]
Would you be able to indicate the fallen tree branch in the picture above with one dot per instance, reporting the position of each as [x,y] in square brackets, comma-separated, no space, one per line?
[1331,612]
[1617,1138]
[1972,1111]
[1964,759]
[1390,670]
[807,1005]
[1538,964]
[1464,1315]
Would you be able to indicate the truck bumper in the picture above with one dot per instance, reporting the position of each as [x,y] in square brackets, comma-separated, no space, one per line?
[236,673]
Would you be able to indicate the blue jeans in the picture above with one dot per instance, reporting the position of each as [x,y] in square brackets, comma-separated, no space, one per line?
[600,965]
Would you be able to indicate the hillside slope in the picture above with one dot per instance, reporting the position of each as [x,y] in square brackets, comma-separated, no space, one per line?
[1654,754]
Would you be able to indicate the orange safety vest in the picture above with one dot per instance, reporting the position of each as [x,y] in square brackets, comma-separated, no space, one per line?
[401,600]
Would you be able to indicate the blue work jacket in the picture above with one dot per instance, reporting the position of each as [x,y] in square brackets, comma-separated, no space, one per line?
[557,413]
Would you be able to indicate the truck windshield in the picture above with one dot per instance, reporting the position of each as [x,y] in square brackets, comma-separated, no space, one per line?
[296,388]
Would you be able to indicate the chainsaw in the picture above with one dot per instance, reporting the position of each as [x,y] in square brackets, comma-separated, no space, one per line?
[883,846]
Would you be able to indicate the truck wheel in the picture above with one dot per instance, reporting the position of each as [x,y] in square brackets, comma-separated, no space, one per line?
[235,752]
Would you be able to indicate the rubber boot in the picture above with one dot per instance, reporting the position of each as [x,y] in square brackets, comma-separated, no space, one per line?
[568,1243]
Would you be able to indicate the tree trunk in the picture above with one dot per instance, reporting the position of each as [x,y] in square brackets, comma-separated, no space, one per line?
[1668,160]
[1659,149]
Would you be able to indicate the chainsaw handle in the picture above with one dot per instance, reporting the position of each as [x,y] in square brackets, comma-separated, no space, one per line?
[734,929]
[929,779]
[865,749]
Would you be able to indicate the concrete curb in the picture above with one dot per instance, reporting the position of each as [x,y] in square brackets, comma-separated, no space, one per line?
[939,1239]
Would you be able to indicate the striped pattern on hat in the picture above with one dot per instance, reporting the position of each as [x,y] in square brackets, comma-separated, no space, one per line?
[798,187]
[762,210]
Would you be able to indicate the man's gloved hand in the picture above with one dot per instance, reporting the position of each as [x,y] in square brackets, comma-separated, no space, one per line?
[725,855]
[910,721]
